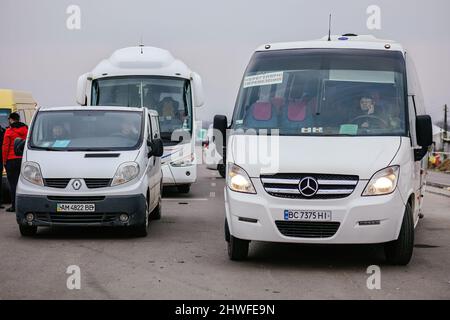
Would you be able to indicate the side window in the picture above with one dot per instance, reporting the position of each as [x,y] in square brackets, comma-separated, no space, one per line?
[22,116]
[155,127]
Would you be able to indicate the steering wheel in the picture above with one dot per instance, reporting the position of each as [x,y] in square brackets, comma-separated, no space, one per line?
[369,119]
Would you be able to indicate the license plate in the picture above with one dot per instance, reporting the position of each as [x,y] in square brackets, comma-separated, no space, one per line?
[75,207]
[307,215]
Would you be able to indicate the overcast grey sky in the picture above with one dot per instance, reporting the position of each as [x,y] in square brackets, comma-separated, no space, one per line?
[215,38]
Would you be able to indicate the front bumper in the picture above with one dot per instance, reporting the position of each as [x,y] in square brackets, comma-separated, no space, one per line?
[261,211]
[107,211]
[173,176]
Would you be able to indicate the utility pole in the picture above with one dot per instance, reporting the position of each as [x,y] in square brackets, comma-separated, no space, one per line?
[445,123]
[445,138]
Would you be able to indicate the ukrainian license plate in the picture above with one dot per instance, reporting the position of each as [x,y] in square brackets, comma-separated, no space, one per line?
[75,207]
[307,215]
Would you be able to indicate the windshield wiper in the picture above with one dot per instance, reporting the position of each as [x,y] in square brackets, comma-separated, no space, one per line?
[89,150]
[47,148]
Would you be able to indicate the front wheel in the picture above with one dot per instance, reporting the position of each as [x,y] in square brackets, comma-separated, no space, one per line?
[221,169]
[399,252]
[156,213]
[27,231]
[141,230]
[237,249]
[185,188]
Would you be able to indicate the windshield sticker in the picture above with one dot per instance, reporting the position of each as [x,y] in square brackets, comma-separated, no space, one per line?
[263,79]
[350,129]
[239,121]
[61,143]
[306,130]
[312,130]
[317,130]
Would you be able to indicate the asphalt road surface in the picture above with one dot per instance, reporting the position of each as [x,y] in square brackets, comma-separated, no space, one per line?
[439,178]
[184,257]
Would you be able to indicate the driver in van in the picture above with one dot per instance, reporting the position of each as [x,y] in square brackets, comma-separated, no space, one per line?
[128,130]
[58,132]
[368,109]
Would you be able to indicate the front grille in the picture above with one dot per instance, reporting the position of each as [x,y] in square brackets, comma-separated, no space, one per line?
[76,198]
[306,229]
[330,186]
[97,183]
[74,218]
[56,183]
[91,183]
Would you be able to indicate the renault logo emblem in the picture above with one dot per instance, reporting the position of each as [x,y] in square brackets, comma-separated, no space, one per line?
[76,184]
[308,187]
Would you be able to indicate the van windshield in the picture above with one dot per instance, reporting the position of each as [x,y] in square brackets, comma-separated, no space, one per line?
[350,92]
[170,97]
[91,130]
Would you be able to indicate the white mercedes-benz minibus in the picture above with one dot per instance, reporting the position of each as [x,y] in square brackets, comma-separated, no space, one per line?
[327,145]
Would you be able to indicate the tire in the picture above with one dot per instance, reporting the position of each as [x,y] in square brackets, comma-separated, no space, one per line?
[156,213]
[27,231]
[141,230]
[227,231]
[184,188]
[237,249]
[221,169]
[399,252]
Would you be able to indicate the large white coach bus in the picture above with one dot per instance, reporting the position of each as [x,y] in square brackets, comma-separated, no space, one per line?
[348,153]
[152,78]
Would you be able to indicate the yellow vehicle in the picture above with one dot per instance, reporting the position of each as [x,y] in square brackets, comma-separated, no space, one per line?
[14,101]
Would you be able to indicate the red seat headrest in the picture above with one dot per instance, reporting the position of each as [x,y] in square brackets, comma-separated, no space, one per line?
[297,111]
[262,111]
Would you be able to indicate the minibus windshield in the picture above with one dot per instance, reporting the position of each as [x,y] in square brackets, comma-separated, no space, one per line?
[90,130]
[324,92]
[170,97]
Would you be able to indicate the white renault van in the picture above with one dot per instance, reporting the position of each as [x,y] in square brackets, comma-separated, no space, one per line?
[326,146]
[97,166]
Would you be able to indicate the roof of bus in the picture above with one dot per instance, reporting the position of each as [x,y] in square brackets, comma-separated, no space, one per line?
[144,61]
[347,41]
[96,108]
[9,98]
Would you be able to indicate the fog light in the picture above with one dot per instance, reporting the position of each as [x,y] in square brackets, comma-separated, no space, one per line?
[29,217]
[123,217]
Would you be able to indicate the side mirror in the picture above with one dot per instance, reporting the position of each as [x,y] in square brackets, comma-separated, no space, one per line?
[220,125]
[19,146]
[424,131]
[197,87]
[81,89]
[156,148]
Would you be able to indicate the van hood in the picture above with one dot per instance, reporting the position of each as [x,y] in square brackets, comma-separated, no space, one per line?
[63,164]
[361,156]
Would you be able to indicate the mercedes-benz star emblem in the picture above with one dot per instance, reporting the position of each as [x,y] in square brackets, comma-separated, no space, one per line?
[76,184]
[308,187]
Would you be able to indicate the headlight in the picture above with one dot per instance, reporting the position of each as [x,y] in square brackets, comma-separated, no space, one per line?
[125,173]
[184,162]
[238,180]
[383,182]
[32,173]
